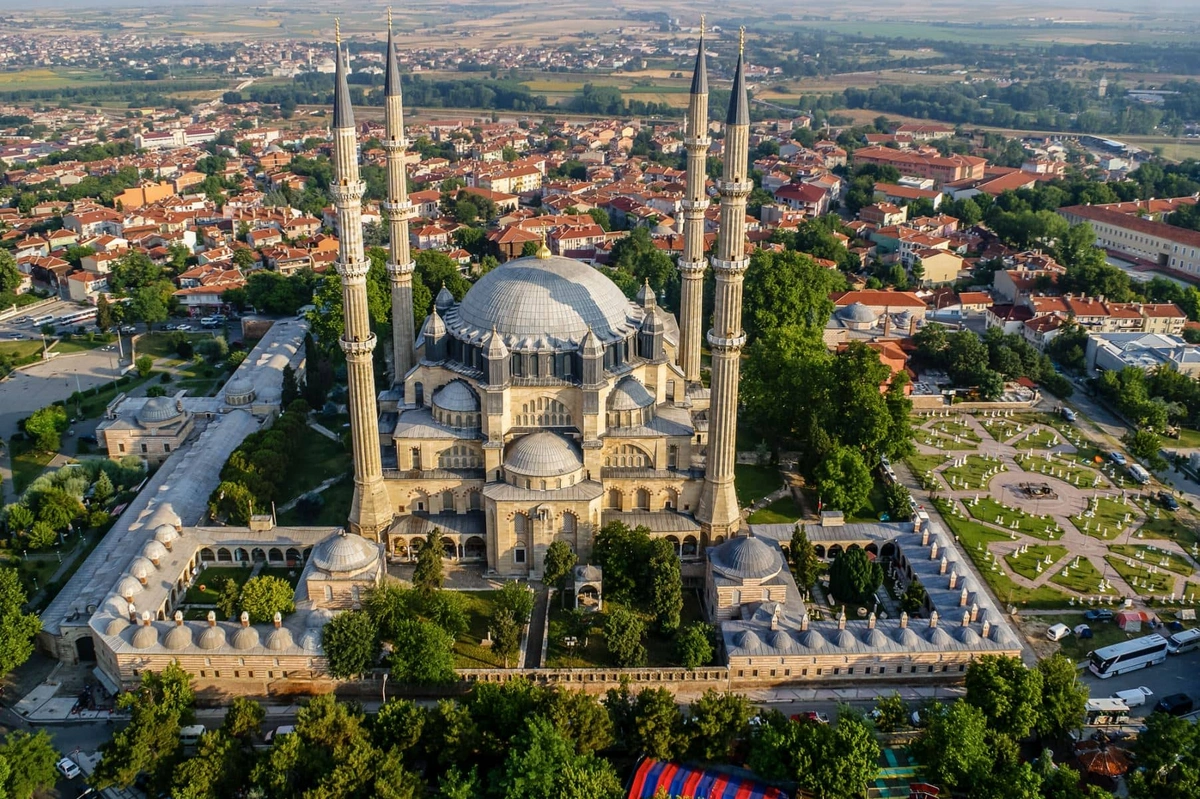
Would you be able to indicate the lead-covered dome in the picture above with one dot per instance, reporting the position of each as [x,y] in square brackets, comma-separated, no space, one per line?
[158,410]
[542,454]
[344,553]
[539,302]
[746,558]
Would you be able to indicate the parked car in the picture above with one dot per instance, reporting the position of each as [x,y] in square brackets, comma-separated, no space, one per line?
[169,327]
[1058,632]
[183,327]
[1167,501]
[1082,631]
[89,440]
[286,729]
[1117,458]
[1099,614]
[128,329]
[67,768]
[1134,697]
[1068,414]
[1175,705]
[811,715]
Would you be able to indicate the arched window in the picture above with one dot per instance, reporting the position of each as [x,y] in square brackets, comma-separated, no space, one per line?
[515,365]
[643,499]
[329,593]
[569,524]
[447,502]
[672,500]
[474,501]
[544,412]
[614,499]
[627,456]
[521,527]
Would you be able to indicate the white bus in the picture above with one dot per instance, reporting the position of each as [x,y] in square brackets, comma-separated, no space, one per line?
[86,315]
[1183,641]
[41,320]
[1128,656]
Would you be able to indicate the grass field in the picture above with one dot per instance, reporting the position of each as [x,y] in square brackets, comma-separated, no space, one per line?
[1002,429]
[1103,634]
[469,653]
[876,506]
[333,513]
[159,345]
[1026,565]
[781,511]
[989,510]
[920,465]
[1169,527]
[948,434]
[81,344]
[1156,557]
[27,462]
[213,578]
[1061,467]
[1147,583]
[755,482]
[1107,520]
[1082,576]
[660,649]
[970,476]
[1041,438]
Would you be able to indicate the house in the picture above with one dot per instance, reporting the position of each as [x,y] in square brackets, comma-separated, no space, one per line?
[812,200]
[430,237]
[883,214]
[899,194]
[940,266]
[264,237]
[84,286]
[202,288]
[925,164]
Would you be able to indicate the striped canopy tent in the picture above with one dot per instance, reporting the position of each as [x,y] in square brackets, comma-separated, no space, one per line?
[671,780]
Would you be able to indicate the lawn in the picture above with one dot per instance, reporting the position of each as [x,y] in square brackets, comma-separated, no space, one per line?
[290,576]
[75,344]
[469,653]
[213,579]
[1027,564]
[755,482]
[987,509]
[317,459]
[21,352]
[1147,583]
[922,465]
[333,513]
[971,474]
[660,649]
[1082,577]
[1104,633]
[1062,467]
[1188,438]
[161,345]
[875,507]
[939,440]
[1002,429]
[1041,438]
[1107,519]
[27,462]
[1153,555]
[781,511]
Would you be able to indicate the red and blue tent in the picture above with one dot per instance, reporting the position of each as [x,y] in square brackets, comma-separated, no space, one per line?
[673,781]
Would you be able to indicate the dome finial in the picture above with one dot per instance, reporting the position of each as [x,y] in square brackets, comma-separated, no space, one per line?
[337,31]
[701,26]
[543,252]
[389,19]
[742,40]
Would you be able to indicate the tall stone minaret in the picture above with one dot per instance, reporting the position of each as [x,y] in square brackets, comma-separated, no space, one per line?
[692,264]
[718,513]
[398,211]
[370,512]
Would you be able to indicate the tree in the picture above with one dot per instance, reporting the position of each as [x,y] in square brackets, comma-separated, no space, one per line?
[544,764]
[853,577]
[717,720]
[149,304]
[693,647]
[17,628]
[1168,758]
[227,600]
[623,631]
[19,518]
[843,479]
[46,426]
[506,634]
[893,712]
[518,600]
[898,501]
[212,772]
[30,759]
[1146,446]
[290,391]
[350,644]
[214,349]
[827,761]
[264,596]
[560,560]
[953,747]
[423,654]
[665,585]
[658,728]
[144,364]
[803,558]
[104,314]
[622,552]
[428,574]
[1064,697]
[578,716]
[398,725]
[914,598]
[102,489]
[58,509]
[10,275]
[1008,693]
[150,743]
[243,718]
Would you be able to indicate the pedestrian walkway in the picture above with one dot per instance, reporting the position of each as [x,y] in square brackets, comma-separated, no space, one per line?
[536,632]
[325,431]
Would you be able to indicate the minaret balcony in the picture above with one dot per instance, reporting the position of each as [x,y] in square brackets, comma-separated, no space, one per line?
[353,270]
[725,343]
[736,266]
[394,145]
[735,188]
[697,141]
[358,346]
[347,191]
[692,268]
[694,205]
[401,270]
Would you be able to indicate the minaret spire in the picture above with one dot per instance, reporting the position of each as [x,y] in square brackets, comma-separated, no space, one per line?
[398,210]
[370,511]
[692,263]
[718,513]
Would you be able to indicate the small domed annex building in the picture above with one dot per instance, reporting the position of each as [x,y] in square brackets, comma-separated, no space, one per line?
[541,405]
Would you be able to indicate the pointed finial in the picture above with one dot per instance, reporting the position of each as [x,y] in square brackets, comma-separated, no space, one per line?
[742,40]
[701,26]
[389,19]
[337,31]
[543,251]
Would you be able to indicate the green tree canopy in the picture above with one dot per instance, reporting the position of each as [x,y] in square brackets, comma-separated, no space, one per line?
[17,628]
[853,577]
[264,596]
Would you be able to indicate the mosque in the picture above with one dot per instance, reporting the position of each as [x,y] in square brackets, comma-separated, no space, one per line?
[545,403]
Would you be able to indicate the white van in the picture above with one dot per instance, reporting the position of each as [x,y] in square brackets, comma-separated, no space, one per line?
[190,736]
[286,729]
[1058,632]
[1134,697]
[1183,641]
[1139,474]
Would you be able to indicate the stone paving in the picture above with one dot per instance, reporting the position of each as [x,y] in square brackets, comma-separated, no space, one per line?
[1067,499]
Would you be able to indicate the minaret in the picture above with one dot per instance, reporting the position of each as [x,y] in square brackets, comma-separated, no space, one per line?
[370,512]
[692,264]
[398,211]
[718,513]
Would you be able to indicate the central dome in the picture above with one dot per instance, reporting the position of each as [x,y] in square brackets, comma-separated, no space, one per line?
[534,302]
[543,454]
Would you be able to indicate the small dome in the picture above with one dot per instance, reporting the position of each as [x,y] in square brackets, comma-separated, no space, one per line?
[857,312]
[145,636]
[444,299]
[178,637]
[279,638]
[318,618]
[129,587]
[1000,636]
[154,550]
[494,347]
[158,410]
[141,568]
[456,396]
[239,391]
[968,636]
[812,639]
[116,626]
[845,639]
[245,638]
[746,557]
[908,638]
[628,395]
[780,641]
[212,638]
[165,534]
[542,454]
[747,639]
[311,640]
[345,552]
[434,326]
[875,638]
[938,637]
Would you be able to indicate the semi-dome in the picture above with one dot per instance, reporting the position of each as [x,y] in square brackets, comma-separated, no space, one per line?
[533,302]
[543,454]
[178,637]
[456,396]
[345,552]
[158,410]
[629,394]
[279,638]
[746,558]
